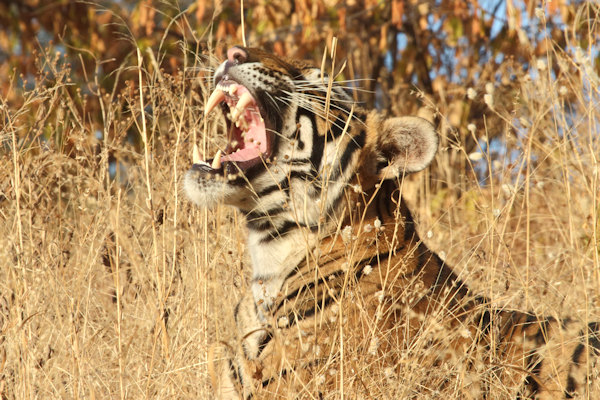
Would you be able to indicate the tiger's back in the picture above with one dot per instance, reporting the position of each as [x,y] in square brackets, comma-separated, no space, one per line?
[339,272]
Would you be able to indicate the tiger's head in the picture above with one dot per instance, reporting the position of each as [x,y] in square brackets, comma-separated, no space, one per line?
[296,143]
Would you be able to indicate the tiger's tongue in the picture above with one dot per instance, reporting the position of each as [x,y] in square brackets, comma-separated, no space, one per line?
[243,155]
[254,138]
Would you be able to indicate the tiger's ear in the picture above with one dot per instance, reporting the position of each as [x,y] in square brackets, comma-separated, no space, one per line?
[406,145]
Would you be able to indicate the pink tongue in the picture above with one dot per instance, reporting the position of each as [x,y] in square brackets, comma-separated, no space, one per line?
[242,155]
[255,141]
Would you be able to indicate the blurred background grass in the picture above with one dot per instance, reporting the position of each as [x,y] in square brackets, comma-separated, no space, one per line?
[113,286]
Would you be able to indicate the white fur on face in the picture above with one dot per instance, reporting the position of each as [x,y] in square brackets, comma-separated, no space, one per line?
[207,193]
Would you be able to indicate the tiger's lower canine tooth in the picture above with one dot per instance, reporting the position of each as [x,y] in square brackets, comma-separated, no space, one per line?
[216,164]
[215,98]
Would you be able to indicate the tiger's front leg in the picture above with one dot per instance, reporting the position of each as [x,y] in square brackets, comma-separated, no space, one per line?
[223,373]
[238,370]
[270,358]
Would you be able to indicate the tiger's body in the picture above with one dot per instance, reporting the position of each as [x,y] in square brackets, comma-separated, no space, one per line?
[338,268]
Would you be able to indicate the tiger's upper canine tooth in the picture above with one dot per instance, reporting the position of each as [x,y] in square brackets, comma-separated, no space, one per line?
[196,154]
[241,105]
[215,98]
[216,164]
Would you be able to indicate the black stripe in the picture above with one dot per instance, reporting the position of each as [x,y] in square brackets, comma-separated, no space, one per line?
[304,175]
[571,387]
[376,259]
[282,374]
[257,215]
[386,204]
[295,161]
[537,368]
[311,284]
[422,259]
[359,115]
[409,227]
[287,227]
[250,174]
[531,318]
[485,322]
[594,336]
[236,311]
[284,229]
[259,221]
[318,140]
[356,143]
[284,184]
[320,304]
[532,383]
[295,316]
[510,324]
[324,300]
[337,128]
[308,286]
[379,206]
[281,186]
[261,225]
[534,364]
[577,354]
[268,237]
[263,342]
[292,273]
[237,376]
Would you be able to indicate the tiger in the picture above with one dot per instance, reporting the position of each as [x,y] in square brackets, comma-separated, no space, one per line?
[335,253]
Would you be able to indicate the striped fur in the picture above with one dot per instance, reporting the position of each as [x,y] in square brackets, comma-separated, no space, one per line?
[335,253]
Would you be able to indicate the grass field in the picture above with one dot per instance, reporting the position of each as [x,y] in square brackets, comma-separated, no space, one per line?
[112,285]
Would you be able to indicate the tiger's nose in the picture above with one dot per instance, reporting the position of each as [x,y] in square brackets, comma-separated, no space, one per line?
[236,55]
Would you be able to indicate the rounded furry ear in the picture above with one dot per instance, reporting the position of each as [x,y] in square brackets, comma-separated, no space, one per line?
[406,144]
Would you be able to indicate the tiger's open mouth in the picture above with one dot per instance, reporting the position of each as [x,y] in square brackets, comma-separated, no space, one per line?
[247,141]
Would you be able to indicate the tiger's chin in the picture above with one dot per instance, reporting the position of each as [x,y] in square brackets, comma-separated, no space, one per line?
[207,189]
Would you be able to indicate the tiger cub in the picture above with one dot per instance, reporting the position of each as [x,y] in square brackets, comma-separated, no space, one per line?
[339,273]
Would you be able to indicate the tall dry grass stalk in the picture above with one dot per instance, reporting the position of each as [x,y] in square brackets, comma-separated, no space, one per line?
[113,285]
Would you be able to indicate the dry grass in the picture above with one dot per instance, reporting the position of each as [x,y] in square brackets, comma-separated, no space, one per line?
[113,286]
